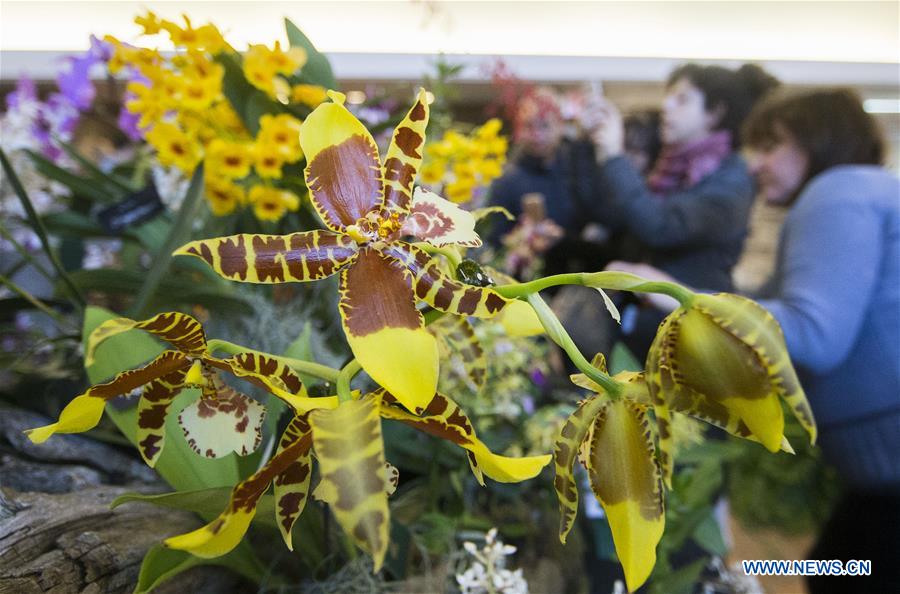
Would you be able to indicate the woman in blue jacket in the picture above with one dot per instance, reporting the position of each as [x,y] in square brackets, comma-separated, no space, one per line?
[836,293]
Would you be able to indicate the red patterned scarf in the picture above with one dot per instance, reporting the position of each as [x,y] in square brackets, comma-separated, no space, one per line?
[681,166]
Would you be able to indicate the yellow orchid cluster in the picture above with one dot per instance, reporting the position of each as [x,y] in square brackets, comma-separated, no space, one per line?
[187,117]
[464,164]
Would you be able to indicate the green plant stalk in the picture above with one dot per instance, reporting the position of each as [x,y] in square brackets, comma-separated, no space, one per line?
[177,236]
[26,256]
[318,370]
[558,334]
[619,281]
[450,253]
[39,228]
[35,302]
[343,380]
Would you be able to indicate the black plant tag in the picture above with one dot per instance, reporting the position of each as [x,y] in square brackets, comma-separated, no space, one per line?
[134,210]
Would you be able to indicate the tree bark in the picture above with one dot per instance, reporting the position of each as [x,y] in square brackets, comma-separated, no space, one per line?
[57,533]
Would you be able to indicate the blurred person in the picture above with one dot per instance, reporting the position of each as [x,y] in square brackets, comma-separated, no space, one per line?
[691,213]
[545,163]
[836,293]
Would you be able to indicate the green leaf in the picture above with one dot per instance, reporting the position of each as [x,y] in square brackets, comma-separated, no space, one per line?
[174,291]
[111,182]
[178,464]
[80,186]
[621,359]
[708,535]
[38,226]
[161,563]
[178,235]
[678,582]
[73,224]
[317,69]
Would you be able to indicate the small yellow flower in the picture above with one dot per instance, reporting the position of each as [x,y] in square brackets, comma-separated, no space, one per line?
[268,161]
[286,62]
[489,169]
[149,22]
[230,160]
[489,129]
[432,173]
[310,95]
[197,94]
[175,147]
[223,197]
[460,191]
[270,204]
[280,133]
[227,118]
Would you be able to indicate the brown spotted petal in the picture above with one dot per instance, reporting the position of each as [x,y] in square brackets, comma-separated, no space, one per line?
[439,222]
[180,330]
[385,330]
[292,484]
[343,171]
[460,349]
[84,412]
[444,419]
[350,451]
[442,292]
[225,532]
[268,259]
[626,479]
[659,380]
[565,453]
[273,376]
[152,410]
[222,421]
[404,155]
[758,329]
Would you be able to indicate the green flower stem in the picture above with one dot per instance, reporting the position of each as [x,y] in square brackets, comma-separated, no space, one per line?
[26,255]
[38,226]
[177,235]
[55,316]
[343,380]
[558,334]
[620,281]
[318,370]
[450,253]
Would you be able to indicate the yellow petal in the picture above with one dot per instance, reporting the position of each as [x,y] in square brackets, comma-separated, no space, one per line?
[82,414]
[627,481]
[216,539]
[518,319]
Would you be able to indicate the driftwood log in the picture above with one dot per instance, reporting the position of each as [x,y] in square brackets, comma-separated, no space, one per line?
[57,533]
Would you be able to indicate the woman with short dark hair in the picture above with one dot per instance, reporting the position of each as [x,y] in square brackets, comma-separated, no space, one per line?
[691,213]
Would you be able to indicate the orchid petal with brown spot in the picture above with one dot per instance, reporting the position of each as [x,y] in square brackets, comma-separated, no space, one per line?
[404,155]
[269,259]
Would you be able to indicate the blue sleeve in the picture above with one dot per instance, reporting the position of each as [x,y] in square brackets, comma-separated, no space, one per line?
[711,210]
[830,260]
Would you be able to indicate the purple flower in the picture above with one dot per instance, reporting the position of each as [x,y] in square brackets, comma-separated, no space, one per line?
[538,378]
[75,81]
[26,90]
[128,122]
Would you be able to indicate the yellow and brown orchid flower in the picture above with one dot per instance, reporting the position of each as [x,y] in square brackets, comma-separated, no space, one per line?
[612,438]
[722,359]
[368,207]
[356,479]
[222,420]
